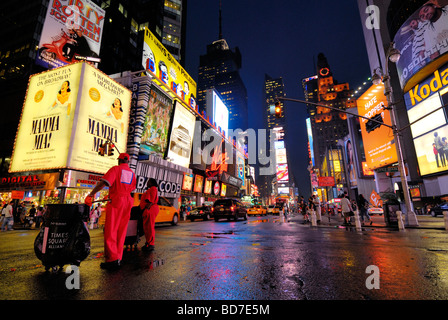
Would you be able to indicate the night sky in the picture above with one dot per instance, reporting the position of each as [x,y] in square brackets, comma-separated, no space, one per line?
[281,38]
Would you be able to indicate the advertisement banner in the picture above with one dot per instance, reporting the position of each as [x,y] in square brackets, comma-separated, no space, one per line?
[67,114]
[161,64]
[187,184]
[157,123]
[423,38]
[45,128]
[198,182]
[217,110]
[208,186]
[379,144]
[182,133]
[72,31]
[282,173]
[431,132]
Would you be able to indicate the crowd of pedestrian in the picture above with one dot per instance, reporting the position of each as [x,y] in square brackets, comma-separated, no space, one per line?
[347,208]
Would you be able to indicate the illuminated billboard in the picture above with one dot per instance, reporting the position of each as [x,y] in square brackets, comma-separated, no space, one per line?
[208,186]
[379,144]
[198,183]
[181,138]
[161,64]
[431,132]
[67,114]
[187,184]
[157,123]
[423,42]
[282,173]
[280,156]
[217,110]
[72,31]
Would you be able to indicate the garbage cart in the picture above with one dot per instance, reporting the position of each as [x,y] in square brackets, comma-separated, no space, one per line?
[64,237]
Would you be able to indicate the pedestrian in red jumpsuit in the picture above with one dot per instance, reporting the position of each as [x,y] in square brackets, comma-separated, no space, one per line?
[121,181]
[148,203]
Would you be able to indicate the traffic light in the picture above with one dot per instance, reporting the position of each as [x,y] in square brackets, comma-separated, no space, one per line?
[372,125]
[278,110]
[102,149]
[110,149]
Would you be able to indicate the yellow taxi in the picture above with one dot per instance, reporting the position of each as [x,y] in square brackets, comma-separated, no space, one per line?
[256,210]
[167,212]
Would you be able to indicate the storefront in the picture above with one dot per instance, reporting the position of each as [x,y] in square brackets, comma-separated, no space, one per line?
[427,109]
[37,189]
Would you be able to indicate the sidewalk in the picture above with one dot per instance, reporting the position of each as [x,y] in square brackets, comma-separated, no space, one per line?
[378,221]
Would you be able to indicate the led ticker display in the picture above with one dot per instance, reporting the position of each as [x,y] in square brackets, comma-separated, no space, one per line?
[59,130]
[379,144]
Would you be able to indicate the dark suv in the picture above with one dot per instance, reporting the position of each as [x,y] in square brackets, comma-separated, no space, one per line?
[229,208]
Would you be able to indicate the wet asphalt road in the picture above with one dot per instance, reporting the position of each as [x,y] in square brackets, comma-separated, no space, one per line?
[263,258]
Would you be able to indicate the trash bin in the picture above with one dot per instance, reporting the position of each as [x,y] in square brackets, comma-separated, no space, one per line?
[64,237]
[390,213]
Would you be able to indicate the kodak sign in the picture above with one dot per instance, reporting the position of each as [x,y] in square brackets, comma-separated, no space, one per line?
[423,90]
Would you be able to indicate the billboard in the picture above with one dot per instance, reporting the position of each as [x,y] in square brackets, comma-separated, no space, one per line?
[161,64]
[282,173]
[379,144]
[421,40]
[430,133]
[280,156]
[181,138]
[187,183]
[198,183]
[67,114]
[72,31]
[217,110]
[208,186]
[157,123]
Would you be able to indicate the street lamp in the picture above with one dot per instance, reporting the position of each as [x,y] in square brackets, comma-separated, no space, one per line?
[394,55]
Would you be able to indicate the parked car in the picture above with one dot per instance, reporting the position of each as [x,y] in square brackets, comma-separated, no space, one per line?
[204,213]
[257,210]
[438,209]
[375,210]
[229,208]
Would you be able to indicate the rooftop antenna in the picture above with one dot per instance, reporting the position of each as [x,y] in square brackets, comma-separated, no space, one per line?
[220,21]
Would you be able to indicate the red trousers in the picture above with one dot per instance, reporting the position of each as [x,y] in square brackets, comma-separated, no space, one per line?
[149,221]
[118,213]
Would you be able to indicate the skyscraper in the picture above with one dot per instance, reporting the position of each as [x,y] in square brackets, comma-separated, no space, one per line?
[219,69]
[328,125]
[280,180]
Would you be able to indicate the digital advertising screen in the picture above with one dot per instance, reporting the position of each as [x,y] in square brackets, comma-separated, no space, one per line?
[181,138]
[72,31]
[157,123]
[429,121]
[217,110]
[379,144]
[59,130]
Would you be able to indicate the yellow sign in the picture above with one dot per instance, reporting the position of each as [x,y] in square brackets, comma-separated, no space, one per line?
[161,64]
[379,144]
[68,112]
